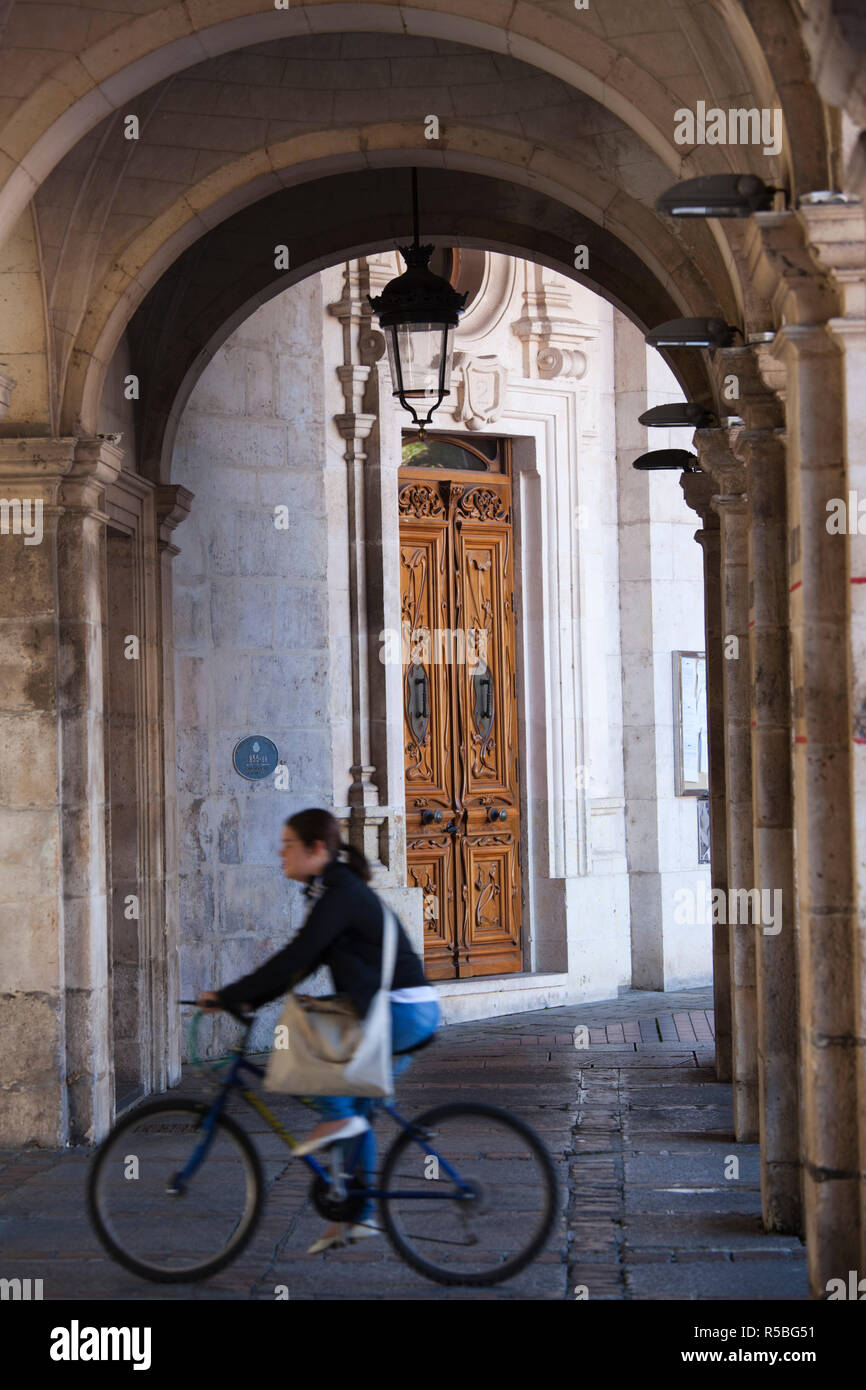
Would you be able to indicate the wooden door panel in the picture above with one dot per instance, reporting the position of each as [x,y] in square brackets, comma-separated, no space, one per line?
[431,868]
[490,941]
[457,578]
[424,596]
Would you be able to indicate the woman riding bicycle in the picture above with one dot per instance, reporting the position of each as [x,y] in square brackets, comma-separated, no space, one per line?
[344,931]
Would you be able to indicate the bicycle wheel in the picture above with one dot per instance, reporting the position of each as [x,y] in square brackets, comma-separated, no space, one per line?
[169,1232]
[486,1218]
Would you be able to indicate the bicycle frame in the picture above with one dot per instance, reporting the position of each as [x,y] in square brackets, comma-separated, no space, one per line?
[241,1063]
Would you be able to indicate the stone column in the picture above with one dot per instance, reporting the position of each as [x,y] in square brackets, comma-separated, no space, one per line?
[837,240]
[52,812]
[80,708]
[760,445]
[714,451]
[699,489]
[376,811]
[172,504]
[33,1101]
[803,301]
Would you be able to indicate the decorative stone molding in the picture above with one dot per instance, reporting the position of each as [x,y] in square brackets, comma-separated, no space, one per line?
[552,337]
[699,490]
[354,427]
[715,451]
[39,465]
[481,384]
[783,268]
[836,240]
[760,383]
[96,465]
[173,504]
[558,361]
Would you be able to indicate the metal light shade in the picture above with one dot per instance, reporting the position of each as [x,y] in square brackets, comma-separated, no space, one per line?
[676,414]
[418,312]
[696,333]
[666,458]
[717,195]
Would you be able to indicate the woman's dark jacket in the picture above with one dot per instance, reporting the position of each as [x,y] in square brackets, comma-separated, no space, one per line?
[344,932]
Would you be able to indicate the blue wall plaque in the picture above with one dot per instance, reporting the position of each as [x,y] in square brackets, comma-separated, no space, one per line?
[255,757]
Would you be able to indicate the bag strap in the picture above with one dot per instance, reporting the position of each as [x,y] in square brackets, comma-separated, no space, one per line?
[389,947]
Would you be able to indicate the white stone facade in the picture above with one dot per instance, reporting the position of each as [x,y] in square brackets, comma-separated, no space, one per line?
[263,630]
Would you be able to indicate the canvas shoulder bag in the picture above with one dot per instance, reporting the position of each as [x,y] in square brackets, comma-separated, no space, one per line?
[322,1048]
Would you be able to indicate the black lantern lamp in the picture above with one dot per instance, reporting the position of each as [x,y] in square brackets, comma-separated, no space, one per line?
[418,312]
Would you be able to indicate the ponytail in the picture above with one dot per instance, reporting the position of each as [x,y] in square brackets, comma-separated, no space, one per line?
[319,825]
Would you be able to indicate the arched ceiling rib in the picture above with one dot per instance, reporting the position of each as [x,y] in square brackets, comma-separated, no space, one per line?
[225,275]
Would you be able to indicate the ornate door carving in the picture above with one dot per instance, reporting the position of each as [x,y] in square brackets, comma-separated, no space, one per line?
[460,718]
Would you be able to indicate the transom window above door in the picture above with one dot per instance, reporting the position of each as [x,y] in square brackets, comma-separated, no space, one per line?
[453,451]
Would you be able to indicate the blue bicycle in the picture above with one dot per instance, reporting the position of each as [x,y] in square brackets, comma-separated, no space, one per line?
[467,1191]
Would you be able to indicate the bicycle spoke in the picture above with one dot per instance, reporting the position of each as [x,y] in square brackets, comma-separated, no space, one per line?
[162,1223]
[486,1221]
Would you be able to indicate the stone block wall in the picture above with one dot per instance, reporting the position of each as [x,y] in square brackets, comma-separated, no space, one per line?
[251,633]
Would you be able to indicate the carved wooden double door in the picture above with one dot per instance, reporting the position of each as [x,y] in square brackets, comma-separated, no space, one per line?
[460,718]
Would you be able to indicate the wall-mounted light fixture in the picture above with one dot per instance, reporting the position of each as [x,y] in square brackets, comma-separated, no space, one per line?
[678,413]
[658,459]
[718,195]
[692,333]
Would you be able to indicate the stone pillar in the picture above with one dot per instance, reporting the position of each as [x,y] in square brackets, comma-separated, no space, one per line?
[837,240]
[52,813]
[172,506]
[376,814]
[760,445]
[80,707]
[803,301]
[699,489]
[714,451]
[32,1018]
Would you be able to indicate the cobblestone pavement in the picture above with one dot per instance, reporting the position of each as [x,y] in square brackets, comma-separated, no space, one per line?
[639,1128]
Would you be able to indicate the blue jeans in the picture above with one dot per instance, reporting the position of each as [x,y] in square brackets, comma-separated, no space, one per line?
[410,1023]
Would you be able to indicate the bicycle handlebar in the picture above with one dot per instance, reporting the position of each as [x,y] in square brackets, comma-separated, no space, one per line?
[246,1019]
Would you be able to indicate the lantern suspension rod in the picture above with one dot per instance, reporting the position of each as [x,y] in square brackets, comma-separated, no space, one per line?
[415,205]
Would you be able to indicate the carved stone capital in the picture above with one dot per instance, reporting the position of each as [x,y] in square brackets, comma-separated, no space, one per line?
[836,234]
[355,425]
[715,451]
[784,270]
[751,382]
[699,490]
[35,467]
[96,464]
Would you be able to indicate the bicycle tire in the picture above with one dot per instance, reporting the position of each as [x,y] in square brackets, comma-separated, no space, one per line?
[240,1238]
[518,1262]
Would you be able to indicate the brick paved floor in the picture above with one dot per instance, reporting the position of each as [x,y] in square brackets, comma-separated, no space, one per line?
[638,1126]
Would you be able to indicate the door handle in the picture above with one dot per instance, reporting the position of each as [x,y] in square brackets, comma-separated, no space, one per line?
[428,816]
[494,814]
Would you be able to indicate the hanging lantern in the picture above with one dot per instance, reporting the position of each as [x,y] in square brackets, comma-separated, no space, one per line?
[418,313]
